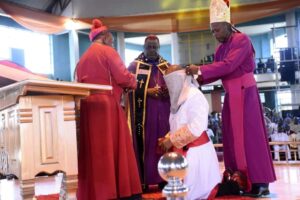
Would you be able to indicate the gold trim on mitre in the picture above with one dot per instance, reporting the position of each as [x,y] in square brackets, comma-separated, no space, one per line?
[219,11]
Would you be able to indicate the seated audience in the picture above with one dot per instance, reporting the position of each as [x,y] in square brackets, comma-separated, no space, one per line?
[261,67]
[270,64]
[280,136]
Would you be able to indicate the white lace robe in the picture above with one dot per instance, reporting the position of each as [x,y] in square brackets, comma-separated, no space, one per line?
[203,168]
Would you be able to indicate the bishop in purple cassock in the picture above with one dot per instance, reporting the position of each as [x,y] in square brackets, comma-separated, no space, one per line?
[245,141]
[149,107]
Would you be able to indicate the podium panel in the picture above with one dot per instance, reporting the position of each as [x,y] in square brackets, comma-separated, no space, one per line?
[38,131]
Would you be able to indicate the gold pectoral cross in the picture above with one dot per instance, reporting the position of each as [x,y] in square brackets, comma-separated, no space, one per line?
[139,102]
[141,82]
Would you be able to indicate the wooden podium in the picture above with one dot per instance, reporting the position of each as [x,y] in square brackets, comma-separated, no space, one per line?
[38,130]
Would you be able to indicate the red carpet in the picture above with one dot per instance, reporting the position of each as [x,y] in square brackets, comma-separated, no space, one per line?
[158,196]
[155,194]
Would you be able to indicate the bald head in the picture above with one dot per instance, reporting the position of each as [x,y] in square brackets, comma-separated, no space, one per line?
[105,37]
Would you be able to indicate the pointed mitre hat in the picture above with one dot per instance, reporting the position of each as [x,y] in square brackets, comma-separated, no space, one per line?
[219,11]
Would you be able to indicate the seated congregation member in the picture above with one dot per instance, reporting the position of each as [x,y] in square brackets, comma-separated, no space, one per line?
[188,125]
[293,137]
[298,140]
[107,164]
[280,136]
[294,134]
[261,67]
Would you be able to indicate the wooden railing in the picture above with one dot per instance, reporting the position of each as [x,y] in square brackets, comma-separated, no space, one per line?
[293,151]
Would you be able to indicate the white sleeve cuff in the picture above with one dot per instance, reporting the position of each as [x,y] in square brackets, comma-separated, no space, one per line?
[199,71]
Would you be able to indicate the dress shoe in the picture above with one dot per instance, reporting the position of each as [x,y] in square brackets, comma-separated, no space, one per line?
[257,192]
[240,179]
[227,175]
[145,188]
[228,188]
[133,197]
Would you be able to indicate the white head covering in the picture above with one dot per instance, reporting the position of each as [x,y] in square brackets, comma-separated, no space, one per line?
[219,11]
[178,84]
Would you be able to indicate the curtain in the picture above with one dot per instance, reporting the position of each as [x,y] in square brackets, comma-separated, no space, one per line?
[39,21]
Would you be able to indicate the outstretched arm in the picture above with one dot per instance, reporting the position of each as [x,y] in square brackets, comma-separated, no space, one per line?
[119,72]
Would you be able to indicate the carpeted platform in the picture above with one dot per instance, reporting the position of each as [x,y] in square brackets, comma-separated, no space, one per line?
[153,193]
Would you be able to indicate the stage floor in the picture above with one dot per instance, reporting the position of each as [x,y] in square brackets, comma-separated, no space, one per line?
[287,186]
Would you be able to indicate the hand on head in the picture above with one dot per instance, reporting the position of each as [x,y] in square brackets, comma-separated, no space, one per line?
[173,68]
[191,69]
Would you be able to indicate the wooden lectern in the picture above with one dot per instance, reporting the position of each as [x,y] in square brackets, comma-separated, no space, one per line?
[38,130]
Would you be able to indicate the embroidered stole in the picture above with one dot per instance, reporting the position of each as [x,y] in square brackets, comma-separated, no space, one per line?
[143,73]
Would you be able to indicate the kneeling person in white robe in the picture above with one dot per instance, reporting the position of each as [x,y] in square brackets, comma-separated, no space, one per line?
[188,124]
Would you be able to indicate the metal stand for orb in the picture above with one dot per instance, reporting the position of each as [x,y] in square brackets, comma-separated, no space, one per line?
[172,168]
[175,189]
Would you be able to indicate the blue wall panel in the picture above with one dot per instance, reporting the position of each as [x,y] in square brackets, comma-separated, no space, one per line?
[164,51]
[61,57]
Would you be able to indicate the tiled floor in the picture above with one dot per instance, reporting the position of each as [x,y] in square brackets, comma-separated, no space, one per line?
[287,186]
